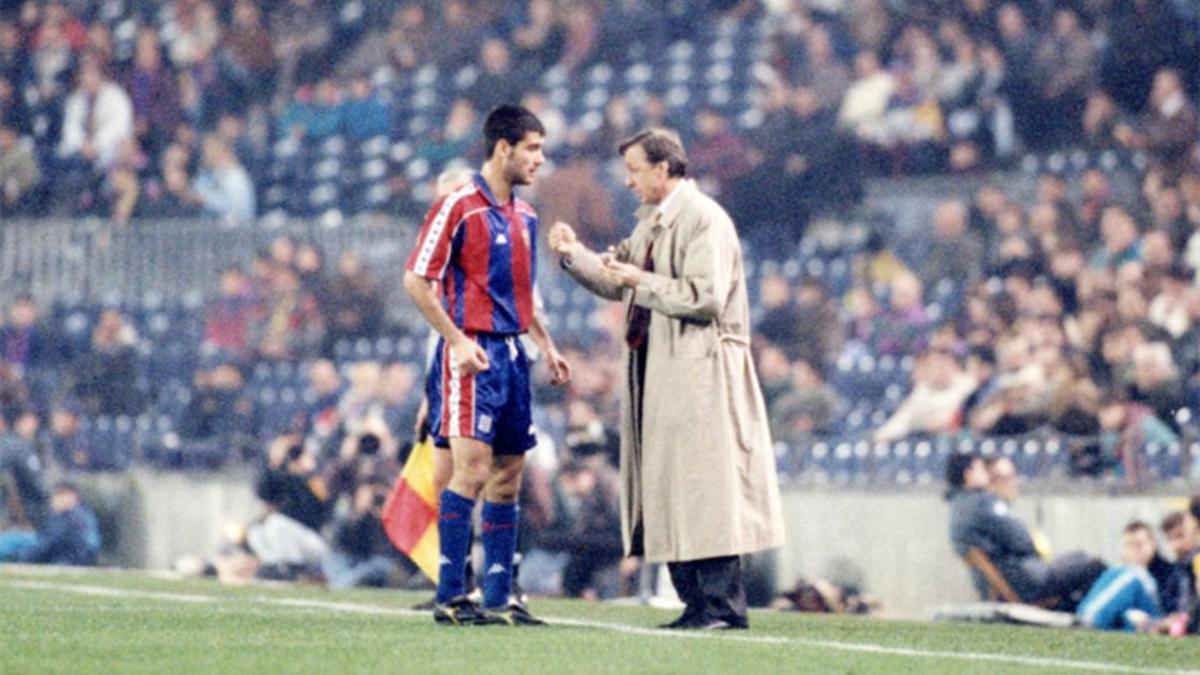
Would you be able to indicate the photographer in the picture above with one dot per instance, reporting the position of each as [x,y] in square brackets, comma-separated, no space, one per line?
[362,554]
[291,486]
[366,454]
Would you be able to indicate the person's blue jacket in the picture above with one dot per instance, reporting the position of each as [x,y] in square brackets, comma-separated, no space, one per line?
[69,538]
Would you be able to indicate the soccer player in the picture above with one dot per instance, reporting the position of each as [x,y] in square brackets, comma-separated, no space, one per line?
[479,245]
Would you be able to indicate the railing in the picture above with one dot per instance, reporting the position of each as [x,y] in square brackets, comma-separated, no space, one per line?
[94,260]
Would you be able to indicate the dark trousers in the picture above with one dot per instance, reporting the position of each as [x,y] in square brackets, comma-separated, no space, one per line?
[712,588]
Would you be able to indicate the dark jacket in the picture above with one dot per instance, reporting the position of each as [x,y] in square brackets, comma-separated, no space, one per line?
[21,471]
[298,497]
[1170,581]
[979,519]
[69,538]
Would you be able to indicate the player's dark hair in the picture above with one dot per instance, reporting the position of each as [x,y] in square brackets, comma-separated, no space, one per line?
[660,145]
[1172,520]
[510,123]
[957,465]
[1139,526]
[1194,507]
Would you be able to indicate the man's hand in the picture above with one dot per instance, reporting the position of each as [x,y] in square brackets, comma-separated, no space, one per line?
[560,369]
[468,356]
[624,273]
[563,240]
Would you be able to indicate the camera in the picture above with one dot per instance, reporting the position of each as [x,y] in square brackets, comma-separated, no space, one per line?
[368,445]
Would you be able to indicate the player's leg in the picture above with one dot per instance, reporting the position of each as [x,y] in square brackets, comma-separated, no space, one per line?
[472,461]
[501,514]
[499,526]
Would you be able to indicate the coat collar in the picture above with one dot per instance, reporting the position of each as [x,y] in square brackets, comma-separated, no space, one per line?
[647,212]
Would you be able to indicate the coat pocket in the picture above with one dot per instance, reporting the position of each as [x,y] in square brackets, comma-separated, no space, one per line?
[696,340]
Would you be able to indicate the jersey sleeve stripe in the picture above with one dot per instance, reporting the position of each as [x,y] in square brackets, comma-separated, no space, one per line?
[434,237]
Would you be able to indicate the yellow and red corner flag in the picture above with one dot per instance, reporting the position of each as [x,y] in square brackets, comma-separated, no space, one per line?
[410,514]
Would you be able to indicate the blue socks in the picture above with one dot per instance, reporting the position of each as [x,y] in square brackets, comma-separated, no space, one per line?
[499,547]
[454,535]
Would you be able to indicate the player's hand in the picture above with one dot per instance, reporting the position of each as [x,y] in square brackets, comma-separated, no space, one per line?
[560,369]
[563,240]
[422,419]
[468,356]
[624,273]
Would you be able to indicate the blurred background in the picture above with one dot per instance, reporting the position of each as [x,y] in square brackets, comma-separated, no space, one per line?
[970,226]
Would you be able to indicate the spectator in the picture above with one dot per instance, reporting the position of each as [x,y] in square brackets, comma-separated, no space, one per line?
[154,93]
[719,156]
[247,56]
[957,254]
[323,417]
[365,113]
[1128,428]
[356,308]
[1169,127]
[220,419]
[70,448]
[574,193]
[223,187]
[901,328]
[229,316]
[70,535]
[27,341]
[1067,53]
[939,389]
[1156,382]
[97,119]
[808,409]
[106,377]
[19,174]
[302,36]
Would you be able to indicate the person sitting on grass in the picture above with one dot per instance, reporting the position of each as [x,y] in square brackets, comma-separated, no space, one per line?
[1180,529]
[70,535]
[1127,597]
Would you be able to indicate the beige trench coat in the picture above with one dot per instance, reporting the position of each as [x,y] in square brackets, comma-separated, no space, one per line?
[701,478]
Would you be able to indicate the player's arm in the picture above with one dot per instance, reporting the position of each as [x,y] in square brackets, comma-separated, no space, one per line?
[560,369]
[467,354]
[425,268]
[587,266]
[699,292]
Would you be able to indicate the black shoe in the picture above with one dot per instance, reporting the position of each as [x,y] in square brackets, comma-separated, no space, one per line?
[722,624]
[684,620]
[462,612]
[514,615]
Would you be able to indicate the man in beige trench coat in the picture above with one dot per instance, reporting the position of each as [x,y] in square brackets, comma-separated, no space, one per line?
[698,485]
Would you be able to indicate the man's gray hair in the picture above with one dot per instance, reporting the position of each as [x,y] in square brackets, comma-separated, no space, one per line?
[660,145]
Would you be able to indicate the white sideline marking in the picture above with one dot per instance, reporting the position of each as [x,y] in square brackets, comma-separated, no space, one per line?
[861,647]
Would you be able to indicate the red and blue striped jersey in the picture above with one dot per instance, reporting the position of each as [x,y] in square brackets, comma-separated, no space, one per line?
[484,256]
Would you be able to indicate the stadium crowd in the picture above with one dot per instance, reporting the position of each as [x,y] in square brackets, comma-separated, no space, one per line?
[1074,308]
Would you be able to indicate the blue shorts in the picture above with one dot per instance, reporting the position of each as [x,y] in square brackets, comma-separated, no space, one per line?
[492,406]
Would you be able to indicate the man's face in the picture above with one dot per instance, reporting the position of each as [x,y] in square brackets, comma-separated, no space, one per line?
[1182,538]
[63,500]
[976,475]
[1003,482]
[648,181]
[522,160]
[1137,547]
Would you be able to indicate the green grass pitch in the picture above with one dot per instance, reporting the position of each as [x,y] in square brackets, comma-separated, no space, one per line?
[122,622]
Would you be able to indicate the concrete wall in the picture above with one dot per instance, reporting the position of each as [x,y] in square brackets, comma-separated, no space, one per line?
[897,543]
